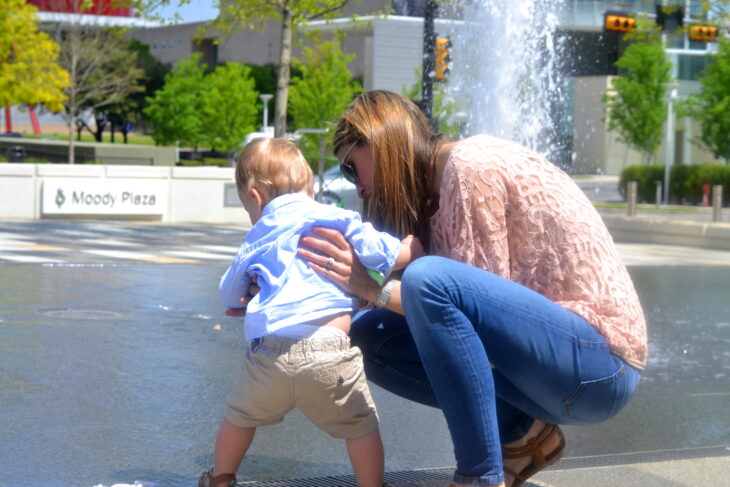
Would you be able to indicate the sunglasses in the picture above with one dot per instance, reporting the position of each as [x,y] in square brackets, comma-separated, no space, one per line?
[347,168]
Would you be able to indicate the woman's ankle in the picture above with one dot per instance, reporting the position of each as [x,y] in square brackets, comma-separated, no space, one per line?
[535,429]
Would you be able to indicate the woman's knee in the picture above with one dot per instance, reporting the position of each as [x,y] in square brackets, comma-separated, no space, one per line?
[423,273]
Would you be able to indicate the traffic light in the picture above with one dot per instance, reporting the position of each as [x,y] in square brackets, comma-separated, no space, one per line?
[618,22]
[703,33]
[670,20]
[442,58]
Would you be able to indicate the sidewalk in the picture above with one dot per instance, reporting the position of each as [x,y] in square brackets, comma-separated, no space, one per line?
[678,468]
[674,468]
[692,227]
[668,225]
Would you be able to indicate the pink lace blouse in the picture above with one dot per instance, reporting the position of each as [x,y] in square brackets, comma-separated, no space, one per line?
[505,209]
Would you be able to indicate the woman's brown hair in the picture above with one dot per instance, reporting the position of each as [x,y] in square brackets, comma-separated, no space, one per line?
[404,152]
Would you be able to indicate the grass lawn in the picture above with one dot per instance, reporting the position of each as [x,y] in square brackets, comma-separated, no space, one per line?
[118,138]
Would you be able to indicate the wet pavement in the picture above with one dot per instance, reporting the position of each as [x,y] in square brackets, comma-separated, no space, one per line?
[115,361]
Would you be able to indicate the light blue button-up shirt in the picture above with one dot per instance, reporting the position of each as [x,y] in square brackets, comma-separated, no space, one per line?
[291,292]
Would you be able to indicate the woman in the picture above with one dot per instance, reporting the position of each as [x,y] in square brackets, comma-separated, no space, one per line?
[521,317]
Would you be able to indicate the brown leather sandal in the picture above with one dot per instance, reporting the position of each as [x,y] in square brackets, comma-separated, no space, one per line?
[220,480]
[533,449]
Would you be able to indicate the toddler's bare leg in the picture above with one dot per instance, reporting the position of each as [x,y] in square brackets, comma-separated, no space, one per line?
[367,458]
[230,447]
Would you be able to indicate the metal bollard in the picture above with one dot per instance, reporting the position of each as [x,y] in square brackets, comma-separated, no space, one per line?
[631,190]
[658,192]
[717,203]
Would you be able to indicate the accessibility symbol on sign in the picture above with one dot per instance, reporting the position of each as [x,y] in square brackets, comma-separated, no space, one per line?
[60,198]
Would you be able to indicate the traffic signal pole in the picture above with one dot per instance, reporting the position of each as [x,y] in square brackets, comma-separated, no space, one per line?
[429,49]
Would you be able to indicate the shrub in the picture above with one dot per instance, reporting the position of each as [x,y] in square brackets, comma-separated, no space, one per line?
[686,182]
[646,176]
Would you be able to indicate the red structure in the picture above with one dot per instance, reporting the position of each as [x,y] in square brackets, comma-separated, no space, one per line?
[100,7]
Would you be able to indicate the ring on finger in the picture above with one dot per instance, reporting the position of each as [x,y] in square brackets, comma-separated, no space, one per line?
[330,263]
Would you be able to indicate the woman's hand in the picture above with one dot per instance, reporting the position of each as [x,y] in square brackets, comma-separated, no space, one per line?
[253,290]
[332,256]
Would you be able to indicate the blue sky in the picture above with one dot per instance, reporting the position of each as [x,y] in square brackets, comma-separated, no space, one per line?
[194,11]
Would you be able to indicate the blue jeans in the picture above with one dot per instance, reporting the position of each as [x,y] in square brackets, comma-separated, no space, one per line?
[549,363]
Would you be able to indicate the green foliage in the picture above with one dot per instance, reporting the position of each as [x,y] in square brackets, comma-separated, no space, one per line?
[229,106]
[686,182]
[636,105]
[321,93]
[444,108]
[264,77]
[265,81]
[291,17]
[645,30]
[175,110]
[711,106]
[29,72]
[153,79]
[103,68]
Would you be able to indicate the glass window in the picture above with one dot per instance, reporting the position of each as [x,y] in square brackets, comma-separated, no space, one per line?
[675,41]
[689,66]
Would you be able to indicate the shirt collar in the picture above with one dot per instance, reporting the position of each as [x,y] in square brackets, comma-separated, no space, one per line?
[285,200]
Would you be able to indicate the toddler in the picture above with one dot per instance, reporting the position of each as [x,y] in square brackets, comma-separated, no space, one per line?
[297,324]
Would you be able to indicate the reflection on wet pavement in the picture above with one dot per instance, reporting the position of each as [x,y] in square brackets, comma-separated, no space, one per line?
[110,374]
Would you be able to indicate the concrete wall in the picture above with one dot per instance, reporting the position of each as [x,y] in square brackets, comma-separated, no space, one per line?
[193,194]
[669,232]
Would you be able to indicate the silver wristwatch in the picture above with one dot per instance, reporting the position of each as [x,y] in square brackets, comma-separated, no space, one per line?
[384,296]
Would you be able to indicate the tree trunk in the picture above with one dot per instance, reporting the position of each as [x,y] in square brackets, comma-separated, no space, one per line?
[283,74]
[71,126]
[72,106]
[100,126]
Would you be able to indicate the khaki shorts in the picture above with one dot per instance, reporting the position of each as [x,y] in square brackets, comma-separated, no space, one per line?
[323,377]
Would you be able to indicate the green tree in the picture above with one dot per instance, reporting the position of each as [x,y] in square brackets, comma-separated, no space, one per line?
[102,69]
[153,79]
[711,106]
[444,108]
[229,106]
[29,72]
[265,77]
[636,106]
[129,110]
[175,110]
[291,16]
[322,91]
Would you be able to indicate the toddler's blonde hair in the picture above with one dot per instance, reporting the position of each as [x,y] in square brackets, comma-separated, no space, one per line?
[275,166]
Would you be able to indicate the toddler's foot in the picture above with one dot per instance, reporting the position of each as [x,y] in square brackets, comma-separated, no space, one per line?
[220,480]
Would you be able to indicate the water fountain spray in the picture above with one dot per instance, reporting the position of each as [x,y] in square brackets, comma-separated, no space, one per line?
[506,74]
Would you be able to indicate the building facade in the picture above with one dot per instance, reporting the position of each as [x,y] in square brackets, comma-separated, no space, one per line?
[389,51]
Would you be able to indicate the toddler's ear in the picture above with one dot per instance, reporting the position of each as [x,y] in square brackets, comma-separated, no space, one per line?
[258,197]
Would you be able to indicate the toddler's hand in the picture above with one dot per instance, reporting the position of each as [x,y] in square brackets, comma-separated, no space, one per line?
[253,290]
[415,246]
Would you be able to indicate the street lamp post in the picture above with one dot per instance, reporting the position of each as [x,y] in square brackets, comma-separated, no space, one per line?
[669,139]
[265,99]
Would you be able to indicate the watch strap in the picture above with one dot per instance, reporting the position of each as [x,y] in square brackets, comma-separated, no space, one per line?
[384,296]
